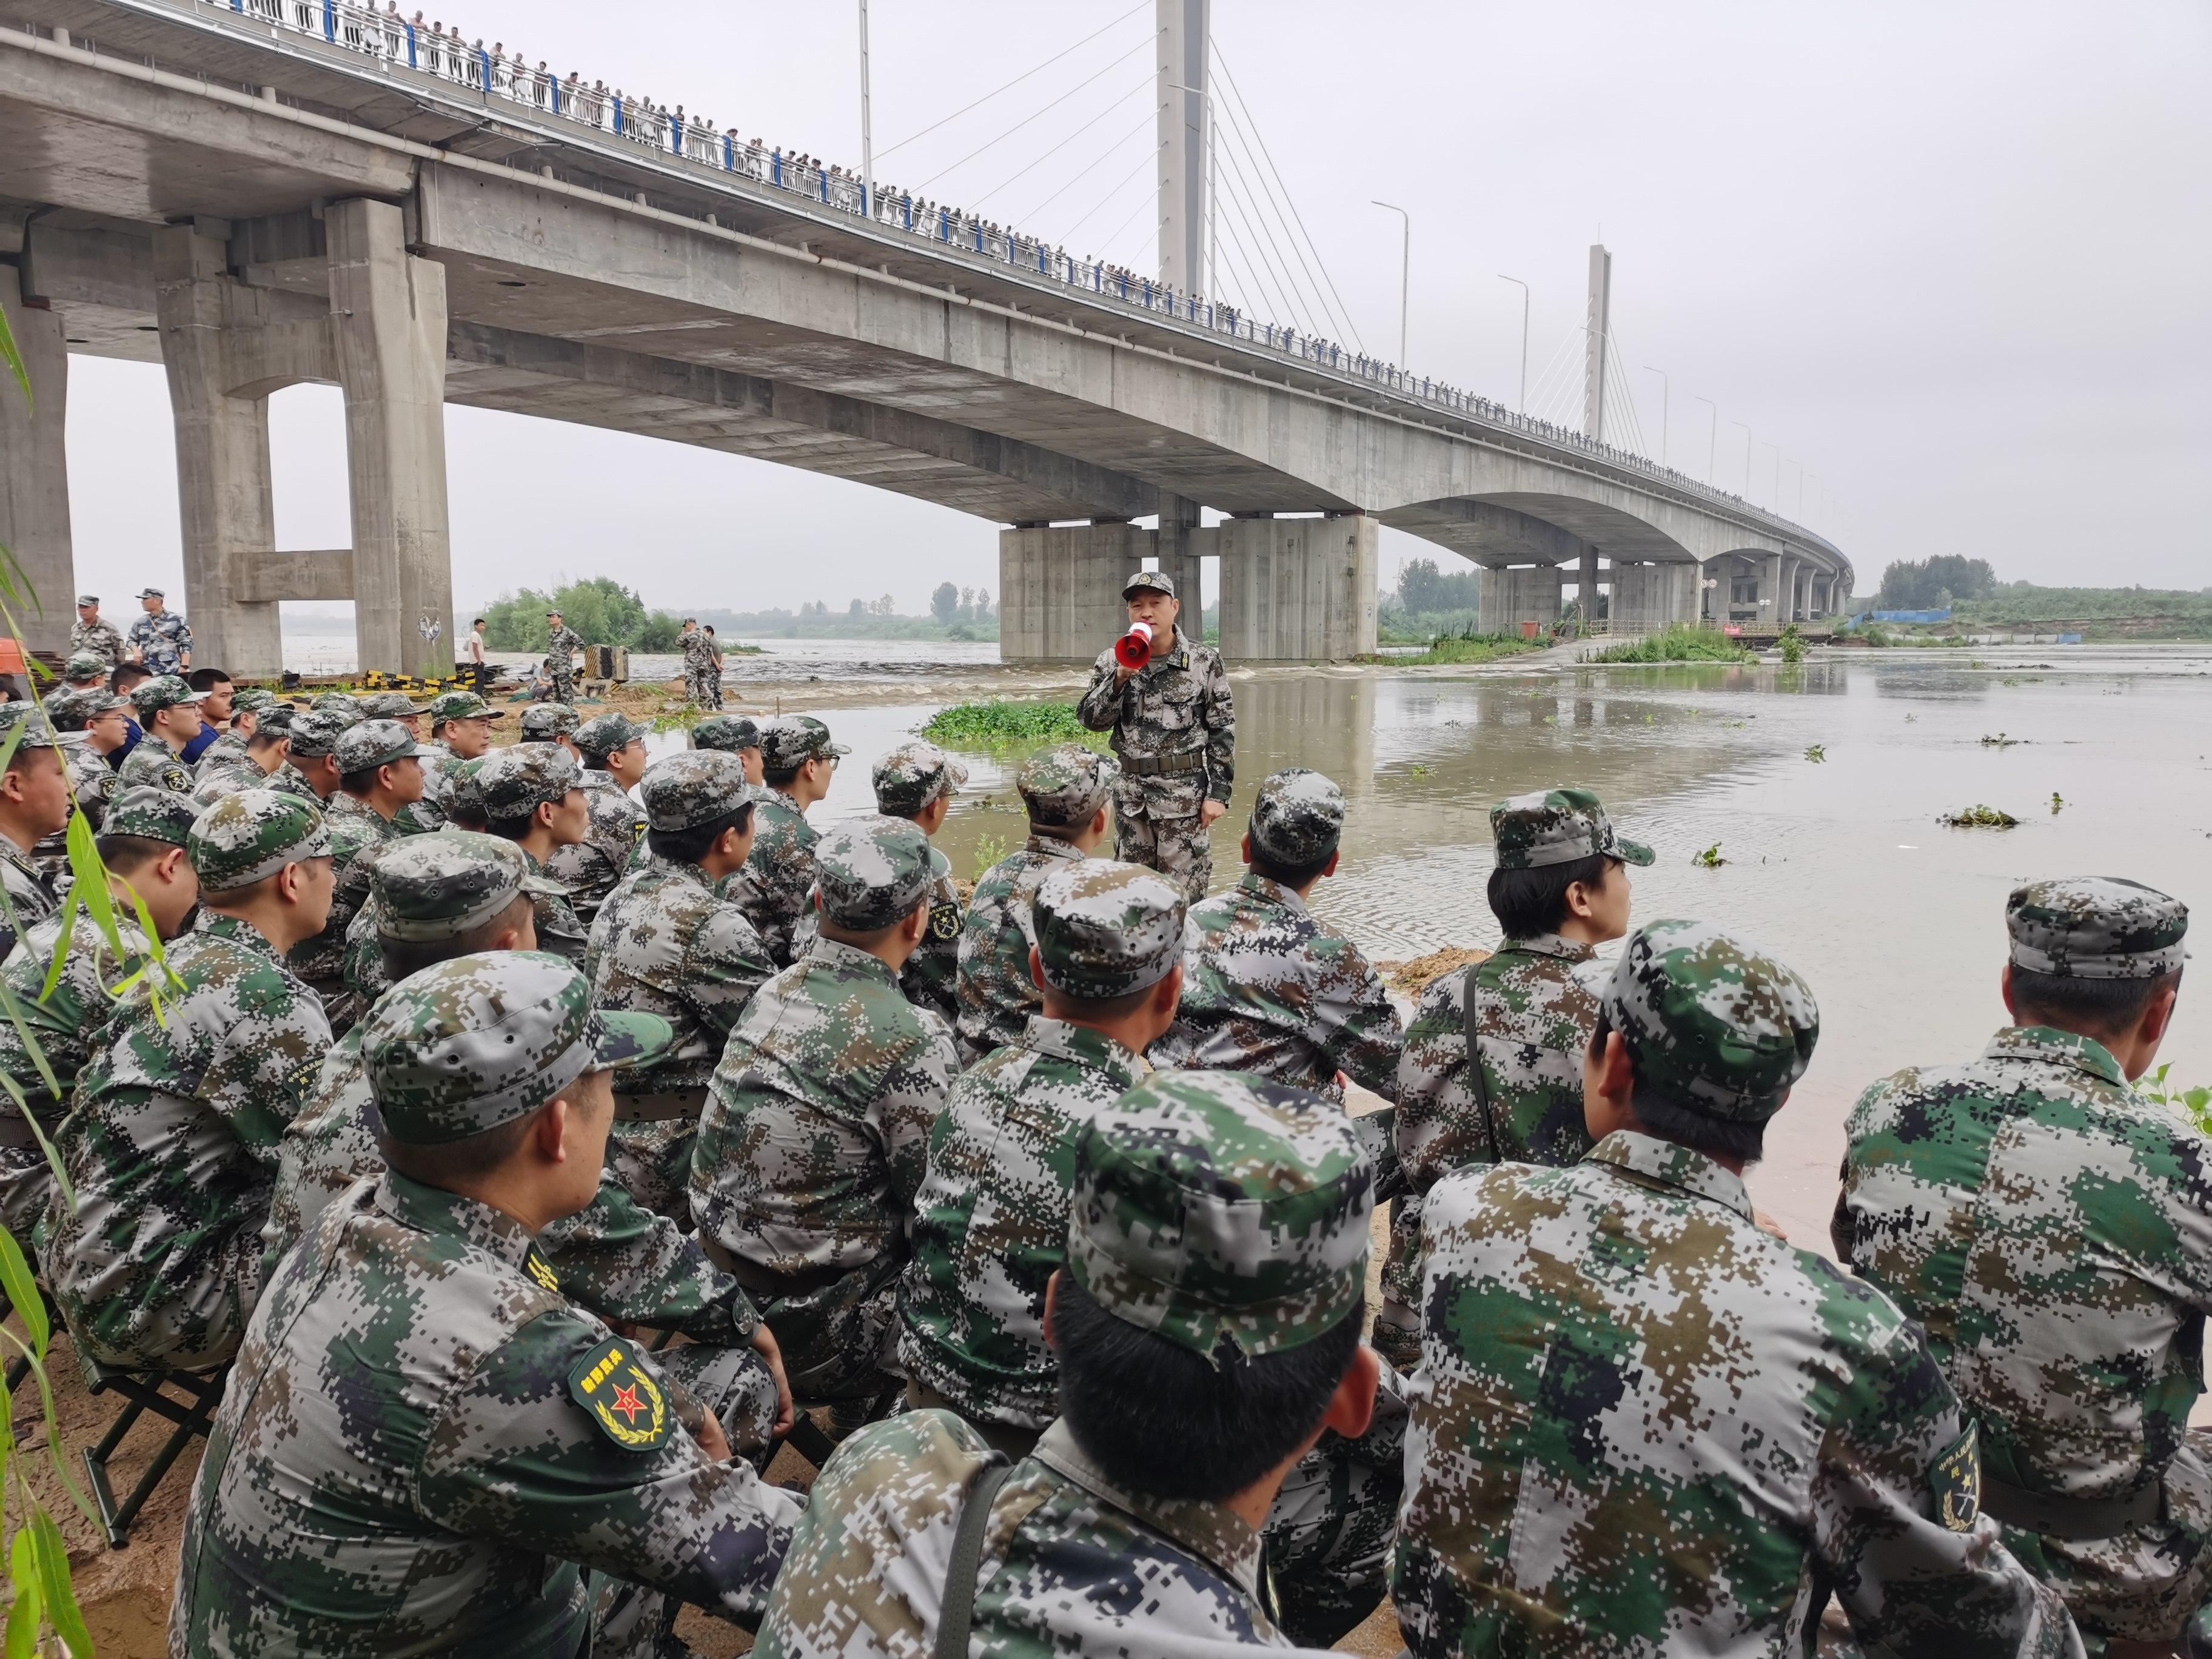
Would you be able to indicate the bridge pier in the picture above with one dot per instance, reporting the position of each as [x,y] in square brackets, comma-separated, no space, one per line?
[1514,594]
[1297,590]
[1060,588]
[34,507]
[1652,595]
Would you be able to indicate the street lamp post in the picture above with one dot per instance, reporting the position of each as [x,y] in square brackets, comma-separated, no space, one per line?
[867,136]
[1524,404]
[1749,443]
[1405,272]
[1712,434]
[1664,393]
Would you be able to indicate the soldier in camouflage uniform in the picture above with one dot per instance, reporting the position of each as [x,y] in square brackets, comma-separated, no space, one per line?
[563,642]
[1217,1254]
[160,640]
[815,1130]
[702,684]
[797,759]
[1063,789]
[666,943]
[170,1144]
[268,755]
[170,711]
[144,848]
[1174,731]
[34,803]
[735,734]
[1560,889]
[92,635]
[310,772]
[379,775]
[534,796]
[552,722]
[917,782]
[2052,1230]
[424,1440]
[246,708]
[612,749]
[1273,990]
[91,725]
[1643,1425]
[461,730]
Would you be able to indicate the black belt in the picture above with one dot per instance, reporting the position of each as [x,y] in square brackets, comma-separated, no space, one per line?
[761,1283]
[1155,765]
[2054,1516]
[663,1107]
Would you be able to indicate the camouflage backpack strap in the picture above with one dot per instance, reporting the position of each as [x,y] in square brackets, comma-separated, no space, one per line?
[956,1612]
[1476,1079]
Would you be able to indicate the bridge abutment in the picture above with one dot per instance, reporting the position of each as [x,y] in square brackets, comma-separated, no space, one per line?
[1297,590]
[34,506]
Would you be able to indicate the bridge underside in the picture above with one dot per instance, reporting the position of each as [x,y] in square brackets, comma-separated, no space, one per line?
[249,242]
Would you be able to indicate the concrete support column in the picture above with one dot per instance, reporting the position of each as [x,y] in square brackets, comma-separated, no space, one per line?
[1648,597]
[1297,590]
[1519,594]
[388,329]
[1770,589]
[1179,556]
[34,505]
[1059,589]
[225,512]
[1586,585]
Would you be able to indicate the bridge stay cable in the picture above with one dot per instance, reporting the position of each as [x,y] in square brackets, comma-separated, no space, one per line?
[1106,154]
[1147,160]
[1256,226]
[1048,109]
[1044,156]
[1289,296]
[1141,6]
[1320,306]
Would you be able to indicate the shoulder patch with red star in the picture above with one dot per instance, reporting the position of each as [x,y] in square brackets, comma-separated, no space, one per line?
[623,1399]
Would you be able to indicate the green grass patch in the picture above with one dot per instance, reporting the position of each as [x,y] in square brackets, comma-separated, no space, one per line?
[1457,649]
[1007,724]
[1676,644]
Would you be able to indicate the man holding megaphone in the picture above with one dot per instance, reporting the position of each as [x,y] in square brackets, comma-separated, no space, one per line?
[1165,698]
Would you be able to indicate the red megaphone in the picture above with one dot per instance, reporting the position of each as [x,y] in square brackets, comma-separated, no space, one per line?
[1134,648]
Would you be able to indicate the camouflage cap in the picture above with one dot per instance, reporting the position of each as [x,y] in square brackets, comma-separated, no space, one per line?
[277,717]
[253,700]
[439,886]
[373,744]
[2096,927]
[1298,818]
[253,834]
[163,691]
[37,729]
[515,782]
[316,734]
[87,598]
[462,706]
[788,743]
[1064,784]
[728,731]
[1212,1208]
[389,706]
[1711,1023]
[464,788]
[910,778]
[151,814]
[601,735]
[85,665]
[692,786]
[542,722]
[1106,929]
[871,870]
[467,1045]
[1149,581]
[1557,826]
[338,703]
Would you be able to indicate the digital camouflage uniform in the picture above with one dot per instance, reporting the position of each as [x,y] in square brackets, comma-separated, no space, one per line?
[26,895]
[590,869]
[171,1141]
[439,763]
[816,1126]
[358,833]
[908,782]
[2052,1230]
[1267,1196]
[97,638]
[1644,1426]
[423,1440]
[734,732]
[772,889]
[701,684]
[93,785]
[562,644]
[162,640]
[66,1023]
[229,747]
[1060,787]
[1270,988]
[512,783]
[1538,999]
[152,763]
[1174,731]
[666,944]
[549,722]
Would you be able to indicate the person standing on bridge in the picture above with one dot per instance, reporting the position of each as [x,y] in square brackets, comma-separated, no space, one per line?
[562,643]
[1174,731]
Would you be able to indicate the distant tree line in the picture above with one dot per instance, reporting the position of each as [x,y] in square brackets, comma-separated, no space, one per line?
[1932,584]
[600,609]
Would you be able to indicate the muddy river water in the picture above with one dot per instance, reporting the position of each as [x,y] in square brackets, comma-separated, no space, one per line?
[1837,866]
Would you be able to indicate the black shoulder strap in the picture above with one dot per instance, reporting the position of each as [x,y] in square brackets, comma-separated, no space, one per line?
[1475,1079]
[957,1611]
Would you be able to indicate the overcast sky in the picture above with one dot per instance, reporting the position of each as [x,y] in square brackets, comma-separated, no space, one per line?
[1950,260]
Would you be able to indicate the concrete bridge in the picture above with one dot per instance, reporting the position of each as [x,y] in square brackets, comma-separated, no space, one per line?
[258,193]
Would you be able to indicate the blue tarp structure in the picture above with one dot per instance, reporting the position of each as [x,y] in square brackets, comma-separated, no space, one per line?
[1942,615]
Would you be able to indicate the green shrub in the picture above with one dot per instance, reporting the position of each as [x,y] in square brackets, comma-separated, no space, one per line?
[1675,643]
[1005,725]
